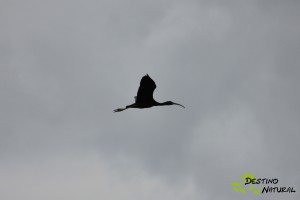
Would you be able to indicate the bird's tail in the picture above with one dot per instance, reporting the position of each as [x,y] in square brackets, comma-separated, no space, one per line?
[119,109]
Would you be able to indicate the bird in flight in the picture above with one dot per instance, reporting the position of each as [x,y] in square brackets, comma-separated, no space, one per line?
[144,98]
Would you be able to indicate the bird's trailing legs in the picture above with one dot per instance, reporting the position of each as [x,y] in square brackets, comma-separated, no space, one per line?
[121,109]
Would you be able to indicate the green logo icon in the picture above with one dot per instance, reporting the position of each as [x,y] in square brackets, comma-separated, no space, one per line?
[240,187]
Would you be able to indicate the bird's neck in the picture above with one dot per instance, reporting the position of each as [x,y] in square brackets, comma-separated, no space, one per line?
[162,104]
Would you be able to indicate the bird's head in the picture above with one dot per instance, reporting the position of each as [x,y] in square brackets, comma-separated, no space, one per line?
[172,103]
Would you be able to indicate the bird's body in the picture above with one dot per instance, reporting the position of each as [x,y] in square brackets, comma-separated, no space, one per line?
[144,98]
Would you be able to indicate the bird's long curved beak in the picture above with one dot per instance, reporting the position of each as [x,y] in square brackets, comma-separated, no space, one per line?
[179,105]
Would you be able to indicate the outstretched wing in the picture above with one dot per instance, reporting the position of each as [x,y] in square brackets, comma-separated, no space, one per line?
[146,89]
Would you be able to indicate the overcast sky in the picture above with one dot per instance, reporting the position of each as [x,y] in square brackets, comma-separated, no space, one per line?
[66,65]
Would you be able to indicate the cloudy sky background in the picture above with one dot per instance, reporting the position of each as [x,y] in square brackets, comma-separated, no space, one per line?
[66,65]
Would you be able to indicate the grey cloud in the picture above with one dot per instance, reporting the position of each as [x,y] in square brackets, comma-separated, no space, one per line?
[66,65]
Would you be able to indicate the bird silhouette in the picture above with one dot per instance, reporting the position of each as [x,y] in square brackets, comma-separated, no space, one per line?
[144,98]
